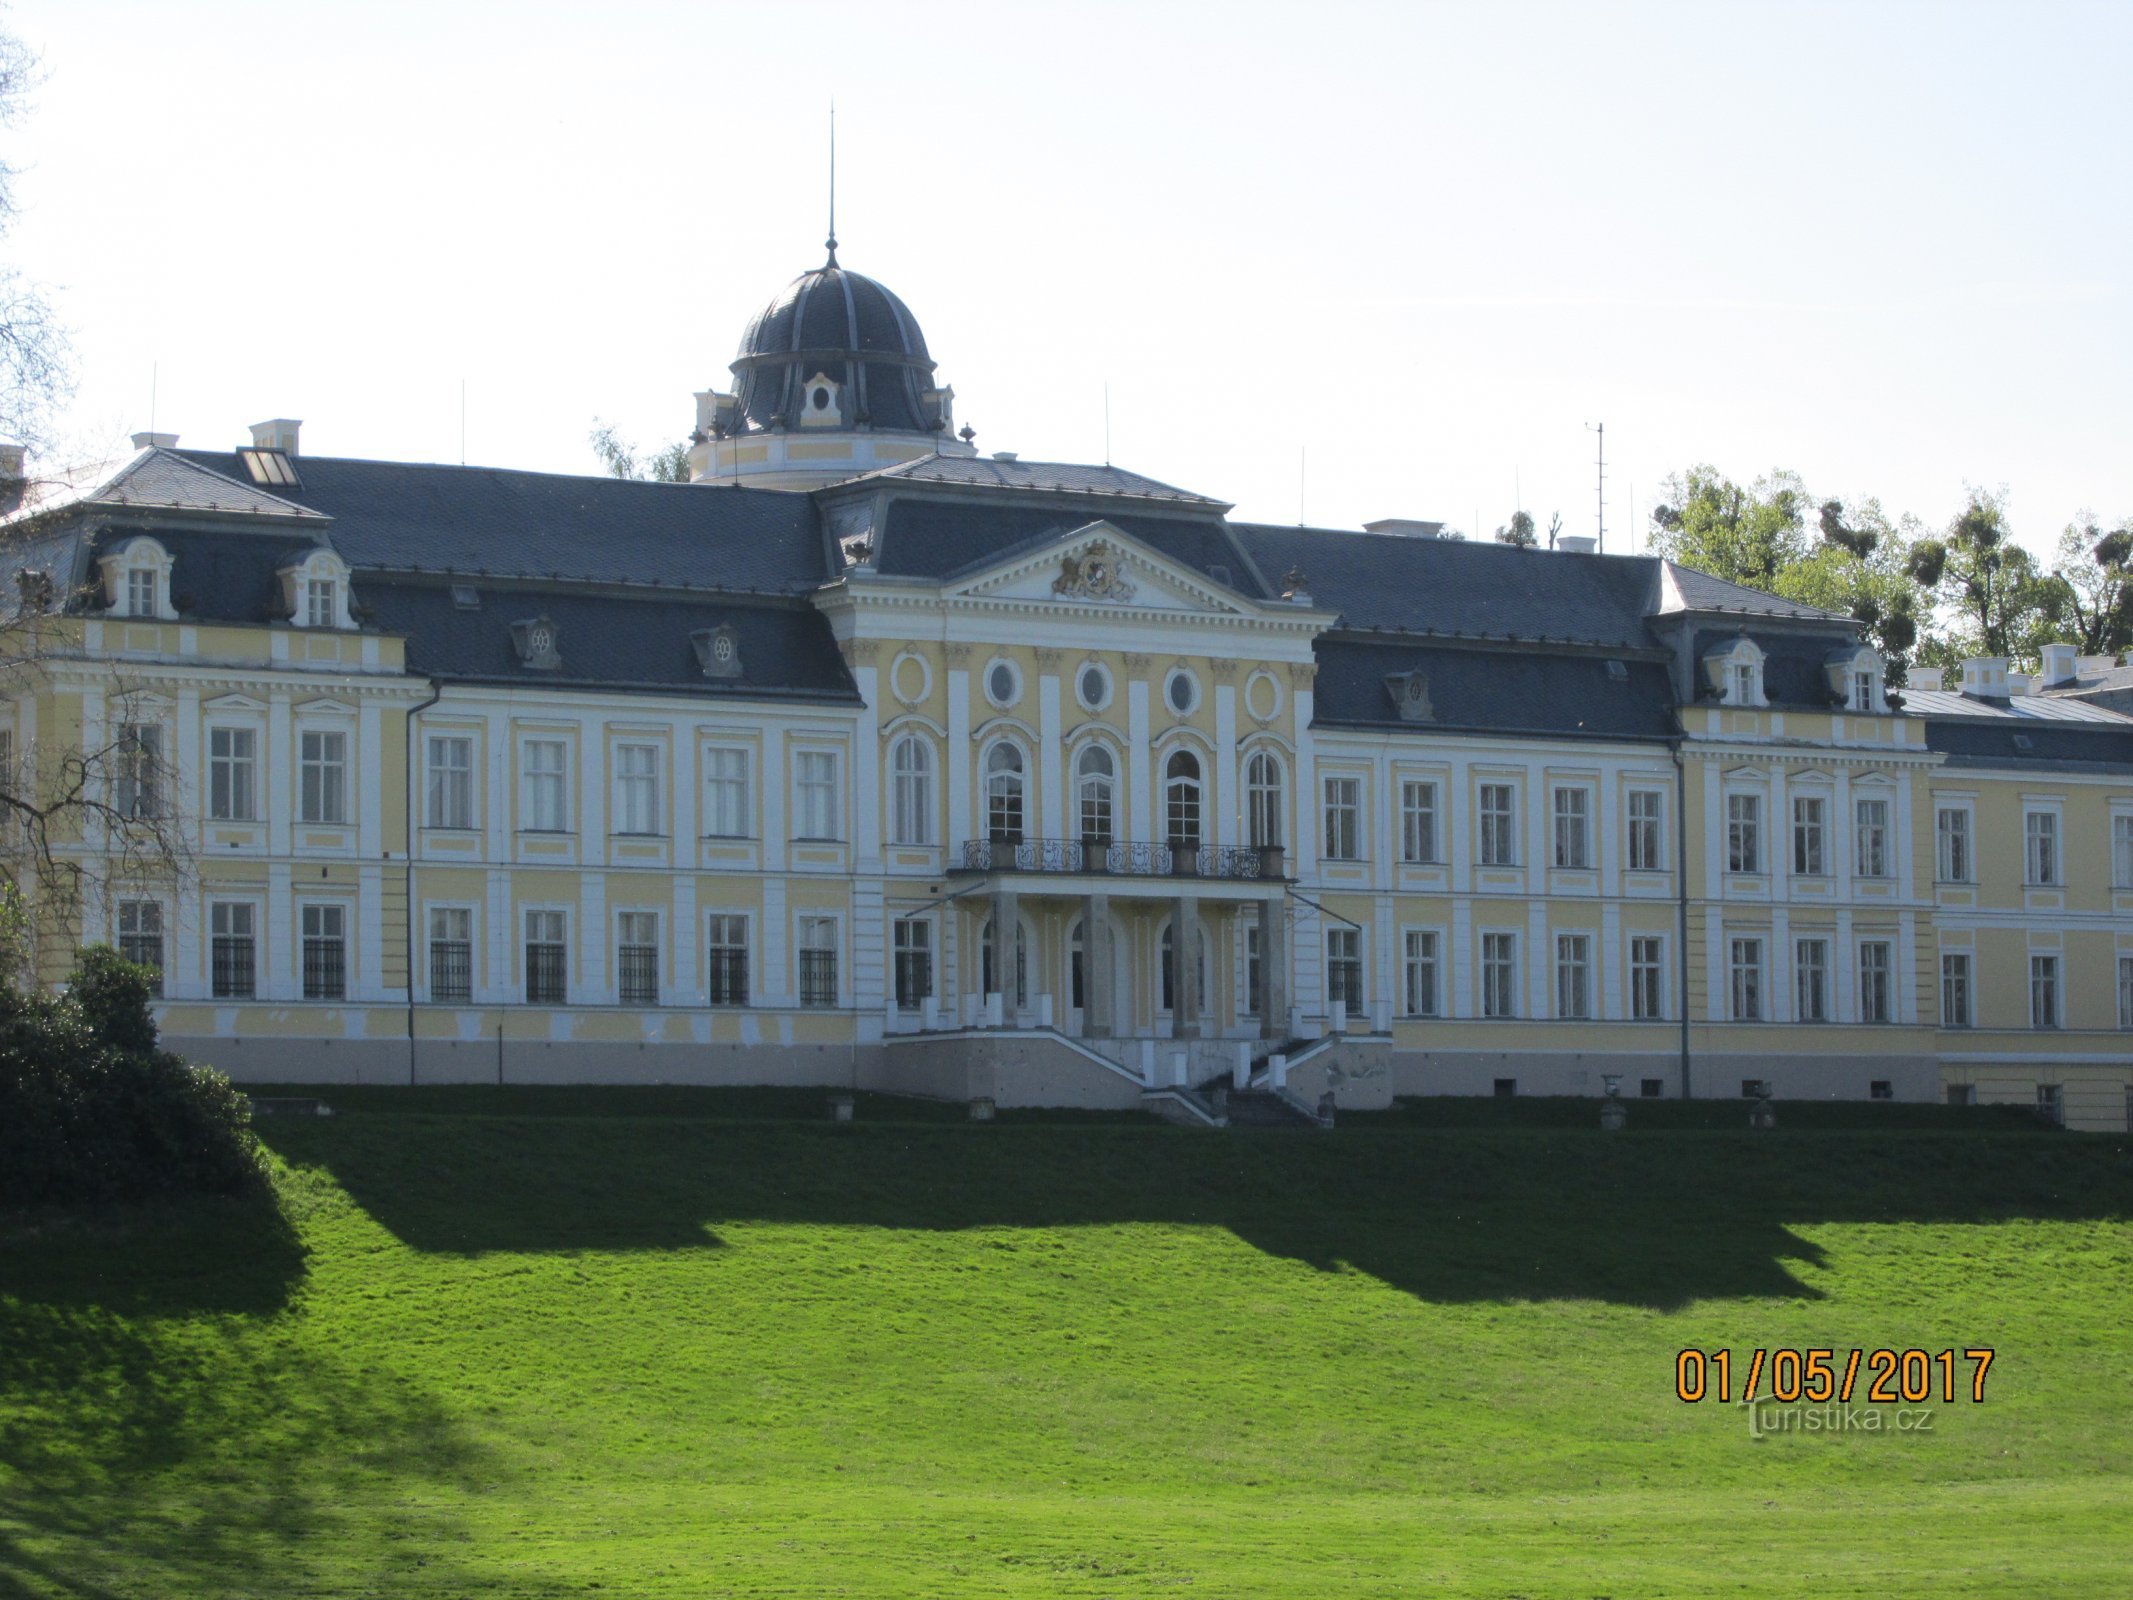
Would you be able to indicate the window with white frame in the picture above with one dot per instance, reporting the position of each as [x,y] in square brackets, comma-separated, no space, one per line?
[2122,852]
[451,954]
[1096,787]
[2040,856]
[322,763]
[1871,839]
[1344,968]
[1646,807]
[1745,974]
[1263,789]
[1877,998]
[1744,833]
[544,786]
[233,949]
[1573,975]
[1421,984]
[818,961]
[725,792]
[637,958]
[1951,844]
[2125,992]
[1810,858]
[815,789]
[637,788]
[1344,819]
[547,957]
[726,941]
[450,791]
[1862,695]
[233,774]
[139,790]
[1573,828]
[1499,974]
[140,937]
[142,597]
[321,602]
[1955,989]
[1418,821]
[1003,793]
[913,944]
[2043,991]
[1747,677]
[910,791]
[1647,972]
[325,950]
[1810,975]
[1499,825]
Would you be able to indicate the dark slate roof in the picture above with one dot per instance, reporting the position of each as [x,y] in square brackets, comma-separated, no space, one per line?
[1985,741]
[849,328]
[1795,671]
[540,525]
[612,639]
[1492,691]
[1685,589]
[1054,477]
[946,537]
[1459,588]
[159,480]
[221,577]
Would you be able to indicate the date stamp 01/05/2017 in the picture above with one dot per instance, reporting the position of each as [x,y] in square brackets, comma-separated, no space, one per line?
[1850,1385]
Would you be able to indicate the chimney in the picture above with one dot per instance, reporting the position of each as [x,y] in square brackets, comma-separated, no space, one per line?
[1923,678]
[1405,528]
[12,456]
[155,441]
[2020,683]
[1577,544]
[1006,455]
[2061,663]
[1985,677]
[276,433]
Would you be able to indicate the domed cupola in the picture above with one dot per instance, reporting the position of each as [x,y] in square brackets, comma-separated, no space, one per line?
[833,354]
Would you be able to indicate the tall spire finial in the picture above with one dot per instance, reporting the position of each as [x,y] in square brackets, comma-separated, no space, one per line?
[831,242]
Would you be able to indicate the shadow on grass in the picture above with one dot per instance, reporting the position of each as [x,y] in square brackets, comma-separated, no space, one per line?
[1651,1220]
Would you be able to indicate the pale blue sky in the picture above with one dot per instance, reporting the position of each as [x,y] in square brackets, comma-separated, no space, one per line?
[1885,245]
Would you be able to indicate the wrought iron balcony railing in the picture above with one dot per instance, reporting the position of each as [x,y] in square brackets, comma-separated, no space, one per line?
[1121,859]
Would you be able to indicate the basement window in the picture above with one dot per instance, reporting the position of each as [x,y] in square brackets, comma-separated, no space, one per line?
[271,468]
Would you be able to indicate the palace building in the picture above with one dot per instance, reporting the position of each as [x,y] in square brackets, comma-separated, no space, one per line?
[868,761]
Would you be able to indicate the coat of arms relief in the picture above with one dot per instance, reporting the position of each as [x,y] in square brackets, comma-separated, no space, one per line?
[1092,575]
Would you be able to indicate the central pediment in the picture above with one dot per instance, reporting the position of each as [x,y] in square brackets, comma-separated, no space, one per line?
[1099,565]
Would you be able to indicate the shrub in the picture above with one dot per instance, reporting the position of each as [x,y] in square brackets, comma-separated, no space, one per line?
[90,1109]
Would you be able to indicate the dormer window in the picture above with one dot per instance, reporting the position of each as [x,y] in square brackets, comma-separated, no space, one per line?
[1745,683]
[315,590]
[822,402]
[1862,691]
[141,592]
[1735,674]
[1855,680]
[321,601]
[137,579]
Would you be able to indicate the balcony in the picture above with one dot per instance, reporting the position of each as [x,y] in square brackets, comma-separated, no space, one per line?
[1230,863]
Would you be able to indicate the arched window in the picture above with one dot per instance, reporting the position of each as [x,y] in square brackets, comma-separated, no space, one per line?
[1003,794]
[1096,777]
[911,791]
[1170,966]
[989,982]
[1181,800]
[1262,791]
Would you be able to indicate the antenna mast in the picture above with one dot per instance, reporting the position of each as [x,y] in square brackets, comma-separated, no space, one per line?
[1600,486]
[831,243]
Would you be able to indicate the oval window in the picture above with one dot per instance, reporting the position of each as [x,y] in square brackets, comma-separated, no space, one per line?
[1095,686]
[1181,692]
[822,399]
[1000,682]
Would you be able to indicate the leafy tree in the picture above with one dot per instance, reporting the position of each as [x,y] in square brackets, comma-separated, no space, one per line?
[620,457]
[2092,576]
[1742,534]
[1518,531]
[2002,604]
[1860,569]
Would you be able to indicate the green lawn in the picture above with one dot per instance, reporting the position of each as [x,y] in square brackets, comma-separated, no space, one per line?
[669,1344]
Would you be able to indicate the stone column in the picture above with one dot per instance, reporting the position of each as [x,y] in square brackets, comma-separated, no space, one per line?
[1273,968]
[1096,1007]
[1004,916]
[1185,999]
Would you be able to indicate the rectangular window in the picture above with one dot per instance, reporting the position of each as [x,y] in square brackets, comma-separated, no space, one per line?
[2044,991]
[2051,1104]
[1419,973]
[1499,829]
[818,961]
[1744,833]
[1344,819]
[1647,955]
[451,954]
[1876,991]
[637,958]
[547,958]
[1747,979]
[1652,1088]
[1644,838]
[1810,969]
[325,931]
[232,774]
[2122,852]
[1862,691]
[140,936]
[2125,992]
[1809,858]
[1344,968]
[1573,828]
[1881,1089]
[1505,1088]
[725,793]
[1499,974]
[914,962]
[1573,975]
[1955,989]
[233,950]
[1744,684]
[544,801]
[319,604]
[2041,856]
[1951,844]
[323,767]
[141,592]
[1254,974]
[637,788]
[815,773]
[139,790]
[1872,857]
[1418,822]
[726,938]
[451,781]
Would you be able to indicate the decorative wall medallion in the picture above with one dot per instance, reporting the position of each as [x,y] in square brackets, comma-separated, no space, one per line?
[1092,575]
[1410,695]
